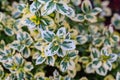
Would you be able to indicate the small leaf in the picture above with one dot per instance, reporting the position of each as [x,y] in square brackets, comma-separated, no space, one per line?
[113,57]
[26,52]
[50,60]
[72,54]
[9,31]
[65,9]
[35,6]
[51,49]
[68,45]
[61,53]
[86,6]
[48,36]
[61,32]
[49,8]
[96,11]
[21,7]
[91,18]
[118,76]
[81,39]
[40,60]
[17,46]
[28,66]
[64,66]
[96,63]
[95,53]
[78,18]
[1,72]
[107,65]
[18,59]
[101,71]
[98,42]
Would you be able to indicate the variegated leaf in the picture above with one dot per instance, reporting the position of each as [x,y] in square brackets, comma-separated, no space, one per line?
[101,71]
[9,31]
[51,49]
[68,45]
[61,32]
[118,76]
[28,66]
[18,59]
[1,72]
[61,53]
[48,36]
[78,18]
[113,57]
[64,65]
[26,52]
[48,8]
[86,6]
[96,11]
[17,46]
[95,53]
[91,18]
[65,9]
[96,63]
[35,6]
[40,60]
[107,65]
[50,60]
[81,39]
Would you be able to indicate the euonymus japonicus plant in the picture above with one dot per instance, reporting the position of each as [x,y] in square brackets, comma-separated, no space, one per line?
[58,40]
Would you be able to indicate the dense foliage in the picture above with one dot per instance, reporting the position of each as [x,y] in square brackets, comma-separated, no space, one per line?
[58,40]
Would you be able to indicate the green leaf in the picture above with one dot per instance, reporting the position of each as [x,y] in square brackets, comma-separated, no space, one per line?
[21,36]
[43,1]
[101,71]
[115,38]
[18,59]
[68,45]
[81,39]
[8,65]
[72,54]
[50,60]
[17,46]
[84,60]
[48,8]
[26,52]
[1,72]
[65,9]
[48,36]
[113,57]
[98,42]
[89,68]
[96,63]
[91,18]
[40,60]
[61,53]
[107,65]
[107,42]
[95,53]
[118,76]
[61,32]
[21,7]
[78,18]
[29,23]
[52,49]
[28,66]
[86,6]
[9,31]
[35,6]
[96,11]
[64,65]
